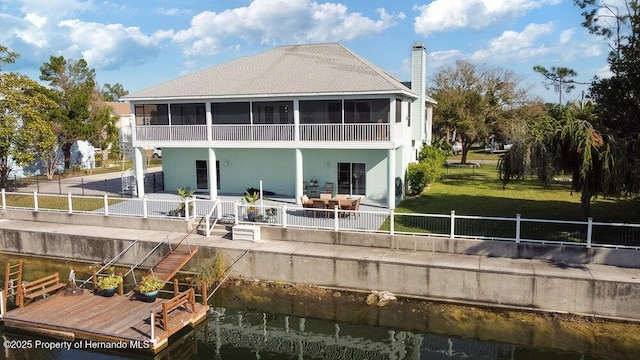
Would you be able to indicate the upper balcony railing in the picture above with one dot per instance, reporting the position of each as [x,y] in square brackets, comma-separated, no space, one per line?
[375,132]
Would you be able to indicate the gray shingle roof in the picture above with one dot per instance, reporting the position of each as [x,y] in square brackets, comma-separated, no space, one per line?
[287,70]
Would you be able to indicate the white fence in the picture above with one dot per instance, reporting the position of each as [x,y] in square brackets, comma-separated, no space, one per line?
[581,233]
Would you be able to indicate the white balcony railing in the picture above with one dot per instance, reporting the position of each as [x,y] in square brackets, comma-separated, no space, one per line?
[266,132]
[171,132]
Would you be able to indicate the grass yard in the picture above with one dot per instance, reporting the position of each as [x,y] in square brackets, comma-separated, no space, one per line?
[478,192]
[59,202]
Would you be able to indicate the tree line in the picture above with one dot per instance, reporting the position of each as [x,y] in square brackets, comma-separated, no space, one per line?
[596,141]
[41,123]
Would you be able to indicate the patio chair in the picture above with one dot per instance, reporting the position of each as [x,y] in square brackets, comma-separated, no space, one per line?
[331,205]
[353,208]
[356,206]
[306,203]
[319,204]
[324,196]
[328,188]
[340,196]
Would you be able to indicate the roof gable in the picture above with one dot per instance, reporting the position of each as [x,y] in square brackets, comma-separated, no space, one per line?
[120,108]
[299,69]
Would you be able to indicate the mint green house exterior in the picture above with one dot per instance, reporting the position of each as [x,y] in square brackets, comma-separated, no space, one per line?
[286,117]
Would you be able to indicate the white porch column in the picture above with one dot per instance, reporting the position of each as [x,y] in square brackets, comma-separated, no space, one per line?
[139,170]
[213,179]
[391,179]
[296,120]
[299,176]
[209,120]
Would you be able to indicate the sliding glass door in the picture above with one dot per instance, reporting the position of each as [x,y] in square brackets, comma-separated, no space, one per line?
[351,178]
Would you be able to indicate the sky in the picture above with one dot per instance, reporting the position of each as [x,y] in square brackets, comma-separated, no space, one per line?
[146,42]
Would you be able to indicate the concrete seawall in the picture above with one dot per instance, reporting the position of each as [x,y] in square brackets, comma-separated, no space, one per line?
[574,280]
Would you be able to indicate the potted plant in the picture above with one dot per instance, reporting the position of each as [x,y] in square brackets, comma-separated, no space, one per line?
[252,198]
[149,287]
[184,193]
[108,284]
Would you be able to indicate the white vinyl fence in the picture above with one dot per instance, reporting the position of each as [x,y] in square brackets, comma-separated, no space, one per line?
[581,233]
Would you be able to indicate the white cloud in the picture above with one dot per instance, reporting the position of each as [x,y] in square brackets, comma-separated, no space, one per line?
[109,45]
[566,36]
[516,45]
[280,21]
[32,31]
[171,11]
[444,15]
[55,9]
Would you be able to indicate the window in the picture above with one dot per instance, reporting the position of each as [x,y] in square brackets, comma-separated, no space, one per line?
[202,175]
[188,114]
[321,112]
[366,111]
[398,111]
[152,114]
[273,112]
[231,113]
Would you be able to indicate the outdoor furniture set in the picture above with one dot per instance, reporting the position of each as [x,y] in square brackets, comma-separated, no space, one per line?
[326,202]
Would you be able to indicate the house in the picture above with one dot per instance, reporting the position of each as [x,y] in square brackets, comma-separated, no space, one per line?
[287,116]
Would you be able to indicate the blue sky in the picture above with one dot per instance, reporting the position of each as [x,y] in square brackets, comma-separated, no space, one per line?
[146,42]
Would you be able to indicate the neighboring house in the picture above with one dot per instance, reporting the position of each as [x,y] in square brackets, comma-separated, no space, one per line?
[286,116]
[121,111]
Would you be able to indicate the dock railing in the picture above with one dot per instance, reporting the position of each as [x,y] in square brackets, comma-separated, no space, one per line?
[517,229]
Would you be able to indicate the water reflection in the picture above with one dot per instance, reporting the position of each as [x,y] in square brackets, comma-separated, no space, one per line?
[292,337]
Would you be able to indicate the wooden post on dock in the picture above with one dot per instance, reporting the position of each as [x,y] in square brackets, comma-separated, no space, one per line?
[121,285]
[176,289]
[203,290]
[94,278]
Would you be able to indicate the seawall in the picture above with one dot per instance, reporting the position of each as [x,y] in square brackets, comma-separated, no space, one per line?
[600,282]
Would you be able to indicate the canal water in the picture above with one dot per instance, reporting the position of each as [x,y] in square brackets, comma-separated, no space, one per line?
[258,320]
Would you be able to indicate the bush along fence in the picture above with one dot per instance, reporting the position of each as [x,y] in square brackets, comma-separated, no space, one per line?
[587,233]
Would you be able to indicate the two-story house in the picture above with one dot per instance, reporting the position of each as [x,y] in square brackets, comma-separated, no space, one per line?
[286,116]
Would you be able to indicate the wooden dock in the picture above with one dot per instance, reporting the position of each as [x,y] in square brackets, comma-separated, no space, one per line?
[75,314]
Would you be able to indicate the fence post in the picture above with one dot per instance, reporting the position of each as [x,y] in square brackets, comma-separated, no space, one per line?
[35,200]
[235,213]
[145,209]
[4,199]
[59,186]
[392,223]
[106,205]
[152,334]
[195,206]
[69,203]
[284,216]
[517,228]
[589,231]
[218,210]
[2,304]
[186,209]
[453,225]
[335,218]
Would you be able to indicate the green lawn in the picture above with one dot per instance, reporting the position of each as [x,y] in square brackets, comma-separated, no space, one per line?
[478,191]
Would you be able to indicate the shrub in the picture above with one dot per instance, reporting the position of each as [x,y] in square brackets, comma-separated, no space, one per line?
[428,170]
[416,178]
